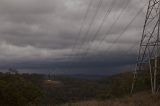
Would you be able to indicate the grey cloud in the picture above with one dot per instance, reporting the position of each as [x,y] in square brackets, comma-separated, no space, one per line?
[41,30]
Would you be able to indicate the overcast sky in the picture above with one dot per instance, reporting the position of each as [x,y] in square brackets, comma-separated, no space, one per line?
[45,34]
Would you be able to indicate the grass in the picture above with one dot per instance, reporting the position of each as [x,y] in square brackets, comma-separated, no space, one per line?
[140,99]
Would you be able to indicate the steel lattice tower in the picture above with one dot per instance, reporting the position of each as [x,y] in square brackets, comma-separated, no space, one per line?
[149,54]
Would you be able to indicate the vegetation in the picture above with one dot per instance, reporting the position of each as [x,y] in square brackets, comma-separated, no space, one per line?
[34,89]
[16,91]
[139,99]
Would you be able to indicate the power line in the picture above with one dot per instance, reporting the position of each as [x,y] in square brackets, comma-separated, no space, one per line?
[95,36]
[89,27]
[128,25]
[82,24]
[101,25]
[116,22]
[99,5]
[90,24]
[81,28]
[125,29]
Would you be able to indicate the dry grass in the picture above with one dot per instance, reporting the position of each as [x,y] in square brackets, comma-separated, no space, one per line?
[141,99]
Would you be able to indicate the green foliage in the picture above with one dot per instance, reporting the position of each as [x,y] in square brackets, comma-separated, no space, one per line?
[116,86]
[16,91]
[29,89]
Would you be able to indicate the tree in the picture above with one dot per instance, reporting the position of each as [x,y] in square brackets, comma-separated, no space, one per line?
[16,91]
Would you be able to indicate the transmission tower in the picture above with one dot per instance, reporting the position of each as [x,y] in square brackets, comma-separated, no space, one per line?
[149,55]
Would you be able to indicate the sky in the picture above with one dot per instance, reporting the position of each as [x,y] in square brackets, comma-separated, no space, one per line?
[70,36]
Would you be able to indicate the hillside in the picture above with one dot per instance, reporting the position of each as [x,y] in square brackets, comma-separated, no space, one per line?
[139,99]
[20,89]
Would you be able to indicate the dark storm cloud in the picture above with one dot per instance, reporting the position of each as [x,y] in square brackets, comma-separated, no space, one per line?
[90,65]
[45,31]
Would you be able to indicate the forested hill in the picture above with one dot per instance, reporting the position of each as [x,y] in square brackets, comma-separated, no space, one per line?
[34,89]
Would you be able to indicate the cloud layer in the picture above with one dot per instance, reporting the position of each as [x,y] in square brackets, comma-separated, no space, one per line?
[46,31]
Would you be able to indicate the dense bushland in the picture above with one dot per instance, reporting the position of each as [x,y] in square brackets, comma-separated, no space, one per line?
[34,89]
[17,91]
